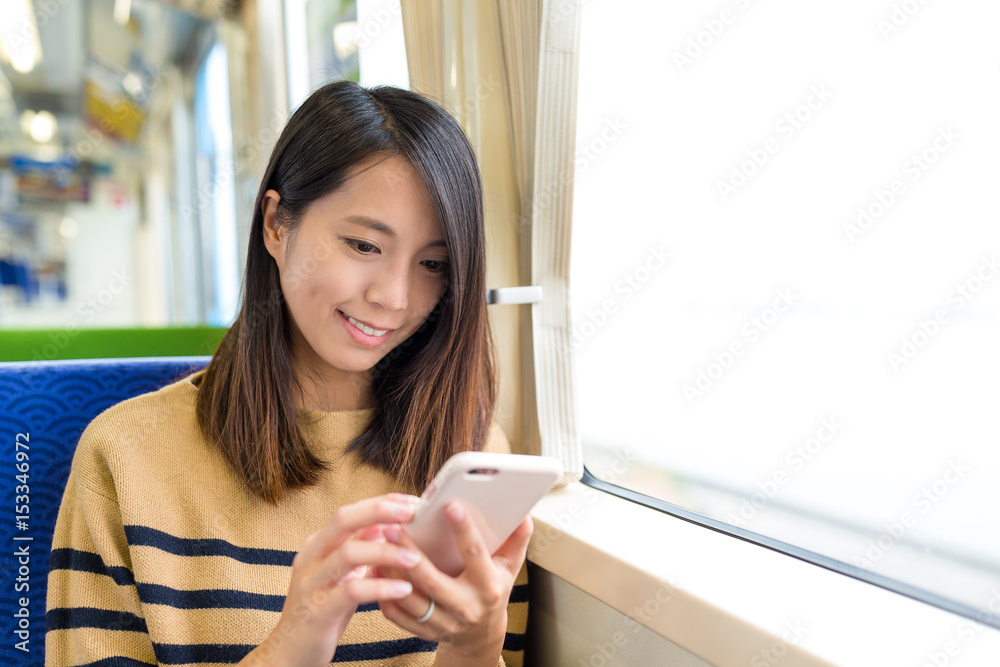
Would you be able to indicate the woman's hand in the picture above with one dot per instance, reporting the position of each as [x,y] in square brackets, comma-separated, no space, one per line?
[331,577]
[469,619]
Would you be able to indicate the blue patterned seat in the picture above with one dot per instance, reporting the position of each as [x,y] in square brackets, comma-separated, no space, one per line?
[45,406]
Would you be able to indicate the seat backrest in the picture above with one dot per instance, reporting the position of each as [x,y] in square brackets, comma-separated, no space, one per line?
[44,407]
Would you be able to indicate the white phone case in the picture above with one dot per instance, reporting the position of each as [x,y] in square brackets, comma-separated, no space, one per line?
[499,490]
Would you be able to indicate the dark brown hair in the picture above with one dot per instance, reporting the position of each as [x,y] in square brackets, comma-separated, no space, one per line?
[434,393]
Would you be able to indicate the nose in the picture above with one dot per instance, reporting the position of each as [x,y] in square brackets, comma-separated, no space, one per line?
[390,286]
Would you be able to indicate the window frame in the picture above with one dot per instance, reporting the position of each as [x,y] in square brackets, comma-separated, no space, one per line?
[826,562]
[583,532]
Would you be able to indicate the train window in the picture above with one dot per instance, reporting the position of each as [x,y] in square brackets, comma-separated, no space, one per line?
[783,265]
[321,43]
[214,163]
[357,40]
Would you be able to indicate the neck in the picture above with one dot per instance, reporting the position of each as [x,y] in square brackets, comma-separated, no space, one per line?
[329,390]
[327,396]
[324,388]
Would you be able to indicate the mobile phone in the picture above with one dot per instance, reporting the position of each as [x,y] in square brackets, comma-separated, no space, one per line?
[498,491]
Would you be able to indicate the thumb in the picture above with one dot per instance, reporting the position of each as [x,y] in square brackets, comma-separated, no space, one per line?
[513,551]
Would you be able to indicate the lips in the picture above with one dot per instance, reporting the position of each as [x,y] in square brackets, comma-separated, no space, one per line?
[371,331]
[364,333]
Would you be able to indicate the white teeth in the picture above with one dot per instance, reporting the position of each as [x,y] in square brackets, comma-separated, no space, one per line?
[367,330]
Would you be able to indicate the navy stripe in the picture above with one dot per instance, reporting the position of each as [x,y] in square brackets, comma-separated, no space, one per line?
[519,593]
[383,650]
[513,642]
[179,654]
[117,661]
[217,598]
[84,561]
[183,546]
[63,618]
[208,598]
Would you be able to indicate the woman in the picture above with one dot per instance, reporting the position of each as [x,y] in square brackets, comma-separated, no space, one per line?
[196,524]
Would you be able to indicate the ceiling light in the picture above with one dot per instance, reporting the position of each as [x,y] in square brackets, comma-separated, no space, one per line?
[43,127]
[69,228]
[122,10]
[19,43]
[22,61]
[132,85]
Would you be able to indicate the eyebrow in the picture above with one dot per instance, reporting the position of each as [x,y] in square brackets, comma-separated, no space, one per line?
[379,226]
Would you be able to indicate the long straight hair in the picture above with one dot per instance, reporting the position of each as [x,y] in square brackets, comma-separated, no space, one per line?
[434,394]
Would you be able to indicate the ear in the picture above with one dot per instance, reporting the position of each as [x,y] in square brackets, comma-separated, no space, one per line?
[274,232]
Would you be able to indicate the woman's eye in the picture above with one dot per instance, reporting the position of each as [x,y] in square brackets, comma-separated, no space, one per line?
[435,266]
[362,247]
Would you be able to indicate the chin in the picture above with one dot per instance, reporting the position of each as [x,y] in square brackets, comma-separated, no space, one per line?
[354,365]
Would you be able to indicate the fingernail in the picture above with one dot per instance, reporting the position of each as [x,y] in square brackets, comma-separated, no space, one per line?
[409,557]
[455,513]
[402,588]
[402,511]
[413,500]
[391,534]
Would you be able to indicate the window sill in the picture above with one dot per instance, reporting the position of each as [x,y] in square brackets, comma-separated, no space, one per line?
[733,603]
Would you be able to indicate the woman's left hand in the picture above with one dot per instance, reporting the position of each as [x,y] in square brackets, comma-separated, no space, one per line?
[469,619]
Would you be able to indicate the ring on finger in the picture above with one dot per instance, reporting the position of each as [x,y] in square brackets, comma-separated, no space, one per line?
[427,615]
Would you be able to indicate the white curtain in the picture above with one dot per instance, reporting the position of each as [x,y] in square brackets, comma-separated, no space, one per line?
[540,41]
[424,46]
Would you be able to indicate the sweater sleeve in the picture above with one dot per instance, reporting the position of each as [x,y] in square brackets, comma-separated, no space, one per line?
[93,614]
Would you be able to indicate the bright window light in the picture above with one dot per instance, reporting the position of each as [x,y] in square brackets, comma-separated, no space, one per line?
[786,273]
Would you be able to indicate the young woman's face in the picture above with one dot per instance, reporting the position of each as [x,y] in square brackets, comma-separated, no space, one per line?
[360,274]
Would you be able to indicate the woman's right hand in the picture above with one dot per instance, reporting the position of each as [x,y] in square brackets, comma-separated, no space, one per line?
[330,579]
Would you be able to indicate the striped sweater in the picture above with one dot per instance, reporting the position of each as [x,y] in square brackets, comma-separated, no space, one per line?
[160,555]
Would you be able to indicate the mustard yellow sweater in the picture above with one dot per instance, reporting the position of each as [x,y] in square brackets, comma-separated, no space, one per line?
[161,556]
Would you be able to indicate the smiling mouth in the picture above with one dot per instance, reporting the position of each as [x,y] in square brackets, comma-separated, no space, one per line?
[371,331]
